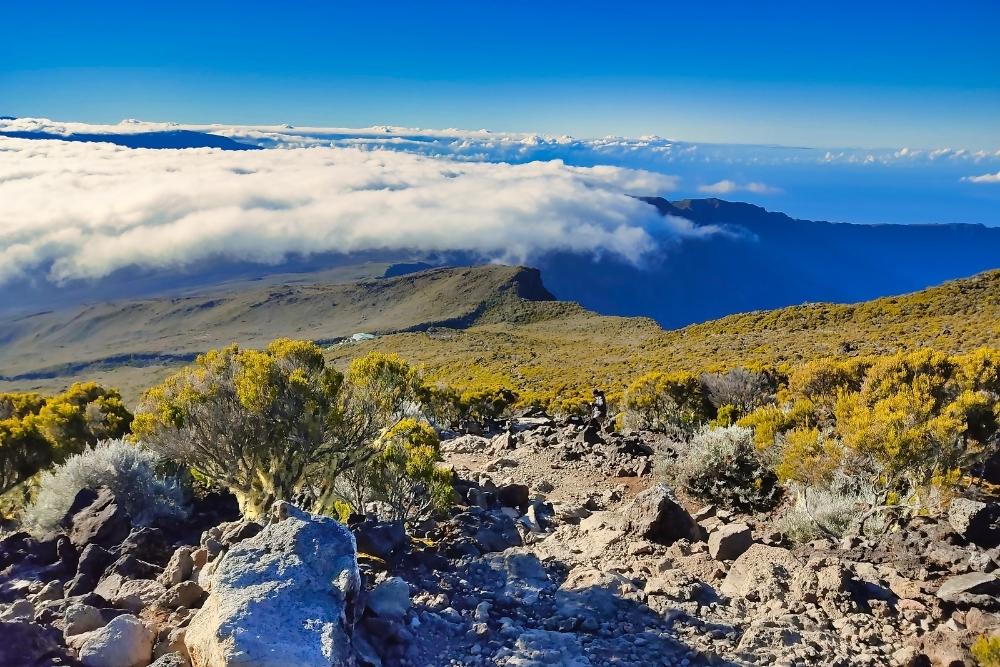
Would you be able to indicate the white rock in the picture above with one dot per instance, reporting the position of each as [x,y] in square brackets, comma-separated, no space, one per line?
[124,642]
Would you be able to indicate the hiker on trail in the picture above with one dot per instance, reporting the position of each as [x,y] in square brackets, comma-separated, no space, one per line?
[599,408]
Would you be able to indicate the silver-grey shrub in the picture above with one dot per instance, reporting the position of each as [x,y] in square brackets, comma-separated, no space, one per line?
[834,511]
[134,474]
[721,465]
[743,389]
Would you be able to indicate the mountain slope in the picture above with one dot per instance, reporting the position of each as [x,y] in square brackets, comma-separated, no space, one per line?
[757,260]
[51,348]
[468,325]
[562,345]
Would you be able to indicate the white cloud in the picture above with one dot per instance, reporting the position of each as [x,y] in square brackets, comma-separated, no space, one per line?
[83,210]
[647,152]
[726,187]
[984,178]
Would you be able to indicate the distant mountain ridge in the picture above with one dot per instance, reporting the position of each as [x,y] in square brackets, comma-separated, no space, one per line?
[159,139]
[770,260]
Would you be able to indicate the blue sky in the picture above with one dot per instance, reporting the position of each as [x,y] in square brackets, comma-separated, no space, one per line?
[872,74]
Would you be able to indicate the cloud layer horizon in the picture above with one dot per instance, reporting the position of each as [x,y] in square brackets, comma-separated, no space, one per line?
[74,210]
[85,210]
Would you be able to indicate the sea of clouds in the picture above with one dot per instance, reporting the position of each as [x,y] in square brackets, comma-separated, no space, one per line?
[83,210]
[75,210]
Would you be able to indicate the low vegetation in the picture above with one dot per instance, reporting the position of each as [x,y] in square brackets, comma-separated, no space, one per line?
[986,651]
[721,465]
[552,354]
[37,431]
[896,433]
[147,487]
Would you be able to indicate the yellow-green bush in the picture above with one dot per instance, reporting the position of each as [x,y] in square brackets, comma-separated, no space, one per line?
[770,420]
[905,422]
[38,431]
[908,420]
[986,651]
[273,424]
[809,458]
[404,475]
[659,400]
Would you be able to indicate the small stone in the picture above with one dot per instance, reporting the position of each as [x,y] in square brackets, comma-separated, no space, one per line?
[178,568]
[187,594]
[51,591]
[81,618]
[390,599]
[137,594]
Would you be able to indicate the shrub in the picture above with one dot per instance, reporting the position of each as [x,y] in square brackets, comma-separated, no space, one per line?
[904,433]
[273,424]
[82,415]
[438,402]
[769,421]
[402,478]
[721,465]
[743,389]
[848,505]
[726,415]
[24,450]
[658,401]
[571,405]
[986,651]
[809,457]
[821,379]
[37,431]
[484,404]
[136,475]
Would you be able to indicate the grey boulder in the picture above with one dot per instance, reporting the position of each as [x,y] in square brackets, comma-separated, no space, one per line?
[282,597]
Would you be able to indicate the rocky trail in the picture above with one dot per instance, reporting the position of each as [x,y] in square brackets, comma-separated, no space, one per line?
[564,550]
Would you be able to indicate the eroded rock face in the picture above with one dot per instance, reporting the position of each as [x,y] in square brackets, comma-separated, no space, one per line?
[282,597]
